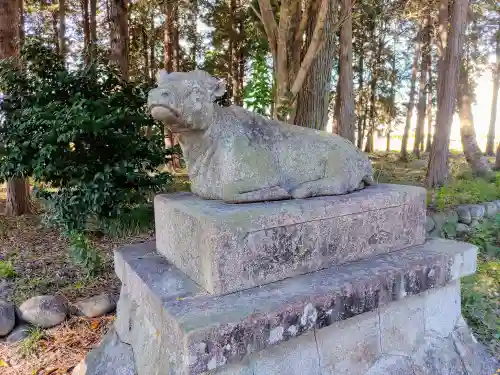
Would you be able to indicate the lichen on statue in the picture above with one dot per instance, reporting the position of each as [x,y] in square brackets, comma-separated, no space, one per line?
[236,155]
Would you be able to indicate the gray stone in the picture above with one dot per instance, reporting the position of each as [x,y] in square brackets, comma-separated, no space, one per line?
[462,228]
[440,220]
[490,209]
[464,215]
[402,326]
[477,211]
[5,289]
[18,334]
[7,317]
[198,330]
[358,349]
[110,357]
[44,311]
[475,358]
[236,155]
[235,247]
[474,224]
[429,224]
[392,365]
[96,306]
[442,309]
[125,314]
[497,202]
[437,356]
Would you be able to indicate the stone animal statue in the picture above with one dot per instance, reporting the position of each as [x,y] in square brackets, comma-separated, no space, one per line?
[238,156]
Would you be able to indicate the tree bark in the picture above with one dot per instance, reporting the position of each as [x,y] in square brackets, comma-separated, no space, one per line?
[437,171]
[55,30]
[314,98]
[18,200]
[93,29]
[497,159]
[442,41]
[411,98]
[119,35]
[361,133]
[21,24]
[429,107]
[62,28]
[494,101]
[422,90]
[346,118]
[169,62]
[477,162]
[86,31]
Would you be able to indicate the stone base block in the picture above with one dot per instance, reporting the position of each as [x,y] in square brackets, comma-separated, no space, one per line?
[339,320]
[231,247]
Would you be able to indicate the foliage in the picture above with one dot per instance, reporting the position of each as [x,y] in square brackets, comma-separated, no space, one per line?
[480,304]
[133,221]
[258,91]
[84,254]
[6,269]
[476,190]
[80,132]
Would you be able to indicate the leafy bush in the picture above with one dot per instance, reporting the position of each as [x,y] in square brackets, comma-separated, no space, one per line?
[82,132]
[84,254]
[462,191]
[6,269]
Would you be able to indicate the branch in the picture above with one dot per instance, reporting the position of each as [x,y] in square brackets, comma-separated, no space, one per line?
[257,13]
[313,48]
[304,20]
[269,23]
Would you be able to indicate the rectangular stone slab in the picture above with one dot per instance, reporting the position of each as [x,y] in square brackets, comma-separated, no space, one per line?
[194,331]
[231,247]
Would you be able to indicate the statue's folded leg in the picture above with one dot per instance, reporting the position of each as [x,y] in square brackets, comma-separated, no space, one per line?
[323,186]
[261,195]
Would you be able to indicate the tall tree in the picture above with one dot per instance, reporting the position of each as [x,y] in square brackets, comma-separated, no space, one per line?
[118,17]
[346,126]
[313,99]
[411,98]
[86,31]
[437,171]
[422,90]
[494,100]
[428,142]
[93,29]
[497,159]
[18,196]
[62,28]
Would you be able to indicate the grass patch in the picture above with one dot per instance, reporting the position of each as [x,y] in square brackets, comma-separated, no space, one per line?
[134,221]
[481,291]
[29,345]
[6,269]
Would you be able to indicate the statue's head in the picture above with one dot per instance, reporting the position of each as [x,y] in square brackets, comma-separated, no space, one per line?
[185,101]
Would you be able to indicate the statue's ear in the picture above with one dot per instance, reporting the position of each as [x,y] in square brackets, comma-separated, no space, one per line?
[219,88]
[161,75]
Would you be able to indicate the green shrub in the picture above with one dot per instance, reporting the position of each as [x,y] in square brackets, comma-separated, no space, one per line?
[81,132]
[6,269]
[84,254]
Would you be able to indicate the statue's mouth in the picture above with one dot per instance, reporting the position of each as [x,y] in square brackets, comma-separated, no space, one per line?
[170,117]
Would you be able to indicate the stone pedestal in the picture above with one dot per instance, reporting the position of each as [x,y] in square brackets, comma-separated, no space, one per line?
[325,286]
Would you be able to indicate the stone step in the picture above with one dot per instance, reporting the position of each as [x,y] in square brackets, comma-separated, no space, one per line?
[231,247]
[182,329]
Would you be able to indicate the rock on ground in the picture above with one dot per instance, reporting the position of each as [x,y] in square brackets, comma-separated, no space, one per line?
[7,317]
[44,311]
[96,306]
[111,357]
[19,333]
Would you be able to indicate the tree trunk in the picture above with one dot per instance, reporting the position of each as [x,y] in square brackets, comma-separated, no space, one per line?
[422,90]
[145,52]
[497,159]
[361,133]
[152,54]
[21,23]
[442,42]
[477,162]
[119,35]
[93,29]
[62,28]
[346,113]
[494,101]
[86,31]
[429,107]
[18,198]
[437,171]
[55,30]
[314,98]
[411,98]
[169,38]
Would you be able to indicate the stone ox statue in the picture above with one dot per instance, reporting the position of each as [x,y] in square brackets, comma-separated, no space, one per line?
[239,156]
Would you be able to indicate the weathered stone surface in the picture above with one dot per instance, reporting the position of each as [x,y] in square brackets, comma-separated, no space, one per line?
[462,228]
[198,329]
[110,357]
[7,317]
[464,215]
[235,247]
[490,209]
[475,358]
[442,309]
[358,349]
[19,333]
[125,314]
[497,202]
[476,211]
[402,325]
[99,305]
[437,356]
[43,311]
[429,224]
[392,365]
[236,155]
